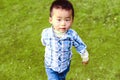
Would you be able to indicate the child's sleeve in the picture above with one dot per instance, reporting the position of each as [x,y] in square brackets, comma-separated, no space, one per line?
[79,44]
[84,56]
[80,47]
[43,38]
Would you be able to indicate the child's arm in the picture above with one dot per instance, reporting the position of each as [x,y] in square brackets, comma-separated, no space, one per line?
[85,57]
[81,48]
[43,35]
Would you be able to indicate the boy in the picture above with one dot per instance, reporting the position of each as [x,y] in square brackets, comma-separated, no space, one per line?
[59,39]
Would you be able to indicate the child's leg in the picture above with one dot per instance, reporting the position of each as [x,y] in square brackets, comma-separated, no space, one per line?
[62,75]
[52,75]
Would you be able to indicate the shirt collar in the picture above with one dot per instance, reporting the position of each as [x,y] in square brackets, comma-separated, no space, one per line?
[64,37]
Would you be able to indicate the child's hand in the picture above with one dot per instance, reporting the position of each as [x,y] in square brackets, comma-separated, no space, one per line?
[85,62]
[85,57]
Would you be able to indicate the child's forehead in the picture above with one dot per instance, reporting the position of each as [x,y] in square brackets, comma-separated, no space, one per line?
[61,11]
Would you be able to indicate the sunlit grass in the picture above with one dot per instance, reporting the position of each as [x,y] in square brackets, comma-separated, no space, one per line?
[22,54]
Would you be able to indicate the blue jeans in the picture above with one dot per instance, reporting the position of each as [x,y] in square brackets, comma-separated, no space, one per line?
[52,75]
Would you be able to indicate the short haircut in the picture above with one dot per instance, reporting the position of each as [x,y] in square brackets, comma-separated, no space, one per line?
[62,4]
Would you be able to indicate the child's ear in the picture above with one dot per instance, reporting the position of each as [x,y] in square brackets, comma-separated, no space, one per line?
[50,19]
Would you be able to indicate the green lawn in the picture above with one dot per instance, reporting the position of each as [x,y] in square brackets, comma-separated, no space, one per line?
[22,54]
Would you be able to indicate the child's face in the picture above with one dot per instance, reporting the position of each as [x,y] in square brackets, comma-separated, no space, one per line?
[61,19]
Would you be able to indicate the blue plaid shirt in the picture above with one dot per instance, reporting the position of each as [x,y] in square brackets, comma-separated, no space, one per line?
[58,50]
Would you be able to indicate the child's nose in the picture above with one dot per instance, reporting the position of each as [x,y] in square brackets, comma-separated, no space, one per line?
[63,23]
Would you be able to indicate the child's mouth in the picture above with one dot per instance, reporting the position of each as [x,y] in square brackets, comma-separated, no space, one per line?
[62,28]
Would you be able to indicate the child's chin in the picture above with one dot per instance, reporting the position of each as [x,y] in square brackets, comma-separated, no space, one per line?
[62,31]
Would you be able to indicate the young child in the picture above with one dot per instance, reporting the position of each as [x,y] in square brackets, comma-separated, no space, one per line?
[59,39]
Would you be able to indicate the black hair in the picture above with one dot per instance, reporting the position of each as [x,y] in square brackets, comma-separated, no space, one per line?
[63,4]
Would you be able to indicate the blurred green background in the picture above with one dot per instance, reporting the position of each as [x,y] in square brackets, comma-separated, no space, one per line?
[22,54]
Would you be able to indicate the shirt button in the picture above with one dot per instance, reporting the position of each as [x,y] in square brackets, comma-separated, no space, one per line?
[59,49]
[59,65]
[59,59]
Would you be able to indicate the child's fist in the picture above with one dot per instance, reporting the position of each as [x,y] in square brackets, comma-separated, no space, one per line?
[84,62]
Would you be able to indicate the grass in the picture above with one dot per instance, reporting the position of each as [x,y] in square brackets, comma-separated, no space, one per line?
[22,54]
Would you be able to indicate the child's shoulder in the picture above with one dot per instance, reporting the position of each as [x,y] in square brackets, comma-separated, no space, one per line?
[72,32]
[46,30]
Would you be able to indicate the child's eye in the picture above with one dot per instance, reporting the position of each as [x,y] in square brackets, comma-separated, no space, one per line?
[58,19]
[67,19]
